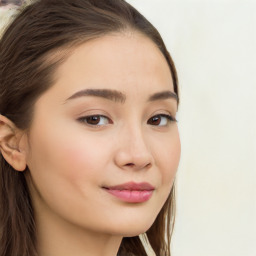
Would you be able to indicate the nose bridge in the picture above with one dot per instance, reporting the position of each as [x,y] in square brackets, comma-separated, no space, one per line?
[136,141]
[133,148]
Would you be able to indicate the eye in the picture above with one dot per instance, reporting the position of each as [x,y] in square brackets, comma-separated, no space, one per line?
[161,120]
[95,120]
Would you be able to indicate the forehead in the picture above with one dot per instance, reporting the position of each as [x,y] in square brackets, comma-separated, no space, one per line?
[124,62]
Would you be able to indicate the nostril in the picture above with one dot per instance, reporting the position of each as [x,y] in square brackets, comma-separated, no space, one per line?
[138,166]
[130,164]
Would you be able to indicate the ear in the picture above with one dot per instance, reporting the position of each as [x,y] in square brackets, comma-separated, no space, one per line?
[10,140]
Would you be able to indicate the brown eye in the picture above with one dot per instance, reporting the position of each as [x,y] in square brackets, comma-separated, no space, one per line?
[96,120]
[155,120]
[160,120]
[93,120]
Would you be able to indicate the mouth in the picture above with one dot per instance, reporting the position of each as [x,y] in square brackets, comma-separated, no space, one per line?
[131,192]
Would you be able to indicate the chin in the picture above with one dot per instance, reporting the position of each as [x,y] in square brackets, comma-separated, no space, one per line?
[130,229]
[136,232]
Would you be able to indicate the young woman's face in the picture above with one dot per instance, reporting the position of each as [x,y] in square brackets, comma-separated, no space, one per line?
[103,146]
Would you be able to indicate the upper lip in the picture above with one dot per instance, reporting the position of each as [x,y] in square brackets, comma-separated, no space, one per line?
[132,186]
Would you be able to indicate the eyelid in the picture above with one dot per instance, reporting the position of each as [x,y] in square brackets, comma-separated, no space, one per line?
[165,112]
[101,114]
[170,118]
[82,118]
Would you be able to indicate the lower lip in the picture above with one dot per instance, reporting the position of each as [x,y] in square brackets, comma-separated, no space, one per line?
[131,196]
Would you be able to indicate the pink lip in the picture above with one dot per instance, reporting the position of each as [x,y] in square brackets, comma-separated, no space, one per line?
[132,192]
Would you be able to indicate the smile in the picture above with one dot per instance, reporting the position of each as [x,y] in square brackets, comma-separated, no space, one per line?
[132,192]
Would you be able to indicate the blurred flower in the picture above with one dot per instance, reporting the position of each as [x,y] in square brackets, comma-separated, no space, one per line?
[9,2]
[7,14]
[8,10]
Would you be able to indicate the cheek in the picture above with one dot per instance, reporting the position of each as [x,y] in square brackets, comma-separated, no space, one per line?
[168,157]
[65,169]
[65,156]
[83,161]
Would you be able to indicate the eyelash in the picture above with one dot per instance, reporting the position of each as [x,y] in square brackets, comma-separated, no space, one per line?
[168,117]
[86,118]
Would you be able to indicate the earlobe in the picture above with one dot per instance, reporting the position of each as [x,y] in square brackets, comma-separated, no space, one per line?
[10,137]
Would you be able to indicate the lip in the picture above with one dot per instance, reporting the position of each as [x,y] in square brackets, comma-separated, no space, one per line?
[131,192]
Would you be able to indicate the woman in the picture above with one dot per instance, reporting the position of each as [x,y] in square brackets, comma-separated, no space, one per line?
[88,137]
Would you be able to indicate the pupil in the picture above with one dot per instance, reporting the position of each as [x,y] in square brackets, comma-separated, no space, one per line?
[93,119]
[156,120]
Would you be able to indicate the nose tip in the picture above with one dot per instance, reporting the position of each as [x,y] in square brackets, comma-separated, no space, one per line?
[127,161]
[134,155]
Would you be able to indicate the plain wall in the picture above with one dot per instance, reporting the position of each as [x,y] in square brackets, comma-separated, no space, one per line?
[213,44]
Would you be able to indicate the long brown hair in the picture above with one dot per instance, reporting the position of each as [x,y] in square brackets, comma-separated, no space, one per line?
[28,60]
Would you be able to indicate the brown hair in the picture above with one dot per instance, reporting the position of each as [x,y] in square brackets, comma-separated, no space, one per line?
[28,60]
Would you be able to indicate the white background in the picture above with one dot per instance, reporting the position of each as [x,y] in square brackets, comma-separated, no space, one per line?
[213,44]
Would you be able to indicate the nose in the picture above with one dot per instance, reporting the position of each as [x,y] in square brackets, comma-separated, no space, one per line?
[133,151]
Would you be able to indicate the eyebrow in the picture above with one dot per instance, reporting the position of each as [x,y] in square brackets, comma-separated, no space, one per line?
[118,96]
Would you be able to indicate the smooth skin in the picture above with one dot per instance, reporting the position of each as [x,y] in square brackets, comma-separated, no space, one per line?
[79,144]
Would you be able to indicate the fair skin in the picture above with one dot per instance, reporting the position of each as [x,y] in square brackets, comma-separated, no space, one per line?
[73,160]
